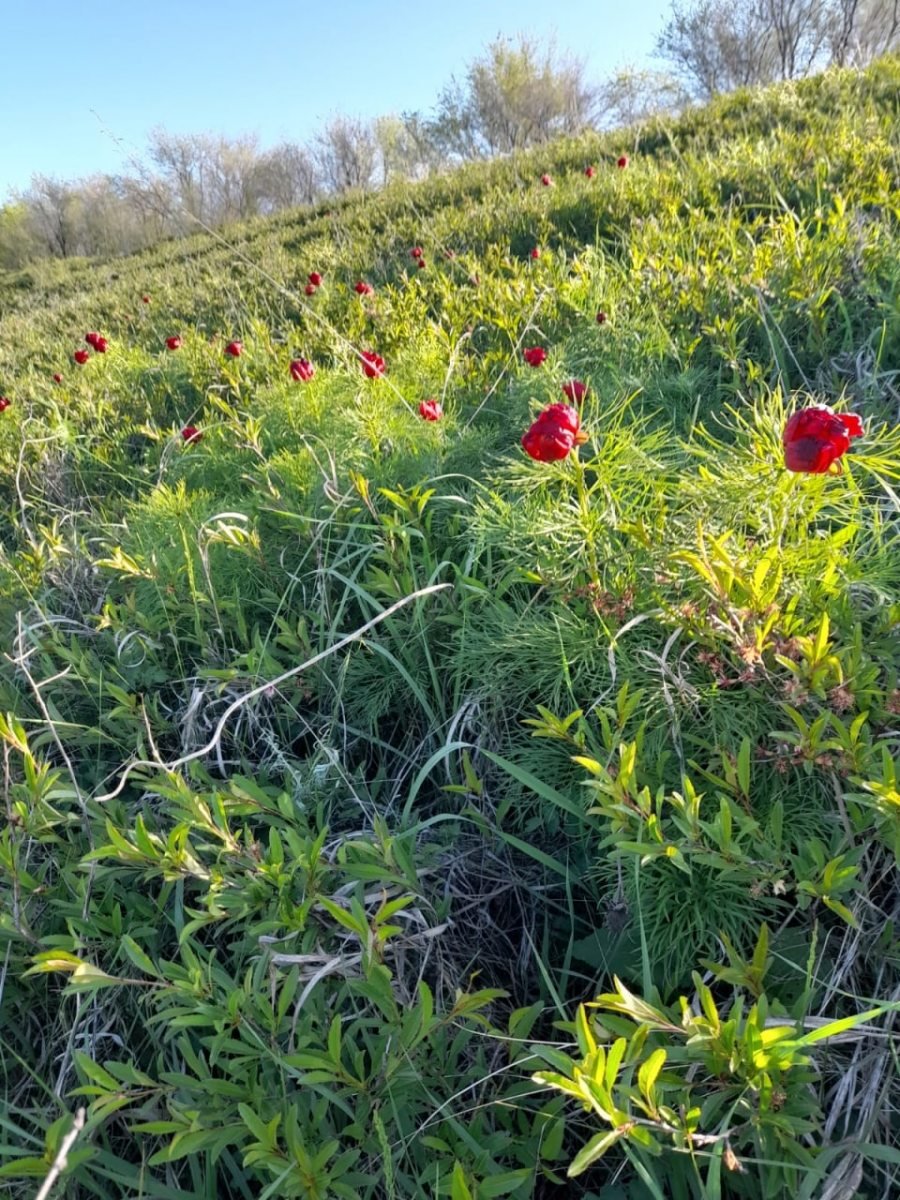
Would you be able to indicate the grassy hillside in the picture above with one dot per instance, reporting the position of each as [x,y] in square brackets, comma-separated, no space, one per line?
[348,754]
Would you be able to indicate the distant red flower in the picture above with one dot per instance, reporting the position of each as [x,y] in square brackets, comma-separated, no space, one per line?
[4,403]
[234,349]
[430,410]
[546,181]
[145,299]
[93,338]
[57,378]
[363,289]
[173,343]
[416,252]
[315,278]
[601,317]
[815,438]
[420,263]
[534,355]
[590,172]
[301,370]
[536,253]
[554,434]
[622,161]
[372,364]
[81,357]
[575,391]
[101,345]
[310,289]
[191,433]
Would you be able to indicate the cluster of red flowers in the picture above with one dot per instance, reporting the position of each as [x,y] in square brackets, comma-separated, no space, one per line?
[301,370]
[313,283]
[372,364]
[554,434]
[816,437]
[97,342]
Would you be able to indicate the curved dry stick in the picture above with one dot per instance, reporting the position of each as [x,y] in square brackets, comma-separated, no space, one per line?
[271,683]
[60,1162]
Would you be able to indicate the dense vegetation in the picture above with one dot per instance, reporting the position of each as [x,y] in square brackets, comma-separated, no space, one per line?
[348,754]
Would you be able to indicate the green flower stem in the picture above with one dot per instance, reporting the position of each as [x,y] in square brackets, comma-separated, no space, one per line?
[585,509]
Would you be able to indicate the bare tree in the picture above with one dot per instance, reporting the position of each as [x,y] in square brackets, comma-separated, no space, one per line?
[858,31]
[632,95]
[717,45]
[516,95]
[346,153]
[288,177]
[53,206]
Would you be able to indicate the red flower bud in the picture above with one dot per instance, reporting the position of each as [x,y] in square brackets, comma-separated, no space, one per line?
[815,438]
[4,403]
[622,161]
[315,278]
[372,364]
[534,355]
[234,349]
[101,345]
[173,343]
[601,317]
[81,357]
[301,370]
[535,253]
[191,433]
[590,172]
[145,299]
[554,434]
[430,410]
[416,252]
[363,289]
[310,289]
[546,181]
[575,391]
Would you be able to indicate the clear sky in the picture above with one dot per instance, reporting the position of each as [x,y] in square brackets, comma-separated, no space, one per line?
[77,76]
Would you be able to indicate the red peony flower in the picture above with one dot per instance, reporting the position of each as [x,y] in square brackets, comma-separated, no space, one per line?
[57,378]
[92,339]
[555,433]
[145,299]
[622,161]
[535,253]
[191,433]
[81,357]
[372,364]
[416,252]
[601,317]
[301,370]
[534,355]
[815,438]
[101,345]
[310,289]
[4,403]
[430,410]
[546,181]
[173,343]
[575,391]
[590,172]
[234,349]
[363,289]
[315,278]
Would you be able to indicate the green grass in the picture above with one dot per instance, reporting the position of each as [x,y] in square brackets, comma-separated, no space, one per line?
[315,937]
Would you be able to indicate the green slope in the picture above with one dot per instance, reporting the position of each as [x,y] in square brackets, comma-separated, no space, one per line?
[296,893]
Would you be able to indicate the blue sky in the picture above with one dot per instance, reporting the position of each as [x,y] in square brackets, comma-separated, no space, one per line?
[76,77]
